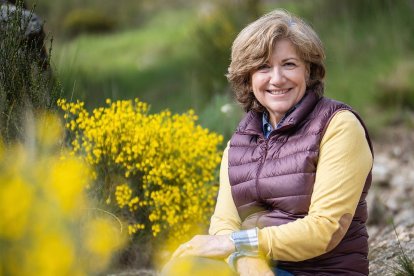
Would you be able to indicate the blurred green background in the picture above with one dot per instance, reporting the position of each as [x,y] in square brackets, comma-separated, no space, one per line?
[174,54]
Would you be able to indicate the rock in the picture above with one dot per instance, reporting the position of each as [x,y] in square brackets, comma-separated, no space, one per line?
[32,26]
[381,174]
[378,212]
[391,199]
[405,215]
[135,272]
[386,247]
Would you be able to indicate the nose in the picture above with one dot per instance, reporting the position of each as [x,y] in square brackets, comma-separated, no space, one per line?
[276,76]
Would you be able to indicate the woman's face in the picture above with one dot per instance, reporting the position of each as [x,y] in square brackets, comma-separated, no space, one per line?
[280,83]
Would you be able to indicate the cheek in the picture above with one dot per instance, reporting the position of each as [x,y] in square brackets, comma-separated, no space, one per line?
[253,83]
[299,78]
[257,81]
[253,79]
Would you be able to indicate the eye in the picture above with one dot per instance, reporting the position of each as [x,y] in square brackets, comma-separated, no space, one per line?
[289,65]
[263,67]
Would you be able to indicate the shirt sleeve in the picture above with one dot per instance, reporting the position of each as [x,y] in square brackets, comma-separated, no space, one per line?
[246,244]
[225,219]
[344,162]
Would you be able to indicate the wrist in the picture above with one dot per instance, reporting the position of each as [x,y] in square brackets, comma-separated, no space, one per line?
[228,243]
[233,243]
[245,244]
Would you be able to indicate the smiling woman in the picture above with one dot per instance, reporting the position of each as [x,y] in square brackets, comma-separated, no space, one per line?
[295,174]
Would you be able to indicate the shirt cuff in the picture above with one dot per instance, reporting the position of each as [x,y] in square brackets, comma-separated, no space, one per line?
[246,243]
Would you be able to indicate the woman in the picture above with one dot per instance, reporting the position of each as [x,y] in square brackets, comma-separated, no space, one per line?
[296,172]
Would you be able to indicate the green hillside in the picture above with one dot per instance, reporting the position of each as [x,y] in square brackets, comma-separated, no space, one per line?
[168,60]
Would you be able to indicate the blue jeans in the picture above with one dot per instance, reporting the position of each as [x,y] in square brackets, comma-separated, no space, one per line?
[281,272]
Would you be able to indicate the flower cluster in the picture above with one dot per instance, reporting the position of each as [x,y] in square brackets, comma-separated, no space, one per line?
[158,170]
[47,224]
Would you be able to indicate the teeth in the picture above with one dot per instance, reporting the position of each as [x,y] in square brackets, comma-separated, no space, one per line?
[278,92]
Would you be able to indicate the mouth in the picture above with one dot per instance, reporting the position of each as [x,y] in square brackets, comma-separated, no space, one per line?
[278,91]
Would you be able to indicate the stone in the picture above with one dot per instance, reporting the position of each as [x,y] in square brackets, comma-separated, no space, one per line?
[32,25]
[387,245]
[392,202]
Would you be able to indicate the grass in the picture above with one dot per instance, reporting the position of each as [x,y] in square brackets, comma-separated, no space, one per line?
[404,265]
[150,63]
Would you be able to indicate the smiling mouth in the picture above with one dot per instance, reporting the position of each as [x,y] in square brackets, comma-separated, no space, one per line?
[278,92]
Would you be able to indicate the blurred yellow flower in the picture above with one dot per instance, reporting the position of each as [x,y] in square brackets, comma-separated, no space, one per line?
[68,178]
[16,198]
[102,238]
[49,129]
[43,208]
[50,254]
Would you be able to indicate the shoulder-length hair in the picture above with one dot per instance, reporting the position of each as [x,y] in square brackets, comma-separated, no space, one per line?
[254,45]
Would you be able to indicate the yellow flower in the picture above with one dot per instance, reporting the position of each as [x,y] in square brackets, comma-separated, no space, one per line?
[102,238]
[52,254]
[166,162]
[16,198]
[67,181]
[123,195]
[42,207]
[49,129]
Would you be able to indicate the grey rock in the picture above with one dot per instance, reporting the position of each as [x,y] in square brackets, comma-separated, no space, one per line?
[31,26]
[135,272]
[387,245]
[392,199]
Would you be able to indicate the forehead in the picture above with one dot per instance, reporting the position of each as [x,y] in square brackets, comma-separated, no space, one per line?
[283,49]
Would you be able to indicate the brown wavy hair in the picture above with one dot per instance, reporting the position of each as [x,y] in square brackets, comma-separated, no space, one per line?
[254,45]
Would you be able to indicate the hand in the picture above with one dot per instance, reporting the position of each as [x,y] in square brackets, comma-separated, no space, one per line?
[251,266]
[218,246]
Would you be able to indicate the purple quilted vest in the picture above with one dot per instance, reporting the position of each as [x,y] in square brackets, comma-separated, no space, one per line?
[272,182]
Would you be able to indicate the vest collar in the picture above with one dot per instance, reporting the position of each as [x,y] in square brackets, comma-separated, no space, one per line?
[252,122]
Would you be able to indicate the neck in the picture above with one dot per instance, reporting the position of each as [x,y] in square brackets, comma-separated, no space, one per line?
[275,119]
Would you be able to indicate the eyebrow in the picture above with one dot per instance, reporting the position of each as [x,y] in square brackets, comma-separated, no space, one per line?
[289,58]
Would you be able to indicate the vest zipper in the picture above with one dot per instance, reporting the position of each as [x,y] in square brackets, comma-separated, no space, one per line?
[260,169]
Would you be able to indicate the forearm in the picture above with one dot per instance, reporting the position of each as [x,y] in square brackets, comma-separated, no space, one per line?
[300,240]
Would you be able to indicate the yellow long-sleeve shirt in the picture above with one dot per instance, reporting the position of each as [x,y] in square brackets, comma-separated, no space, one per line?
[344,162]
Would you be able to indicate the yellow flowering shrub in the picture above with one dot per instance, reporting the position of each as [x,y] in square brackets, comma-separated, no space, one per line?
[158,171]
[46,223]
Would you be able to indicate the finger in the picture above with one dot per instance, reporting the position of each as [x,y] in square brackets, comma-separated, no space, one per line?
[187,250]
[178,252]
[182,250]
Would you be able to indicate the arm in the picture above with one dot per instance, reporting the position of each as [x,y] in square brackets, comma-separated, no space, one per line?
[344,163]
[225,219]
